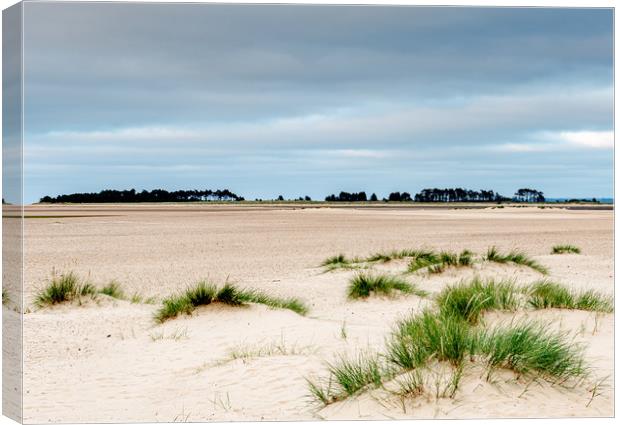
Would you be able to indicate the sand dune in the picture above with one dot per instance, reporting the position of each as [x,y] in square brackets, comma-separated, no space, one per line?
[109,361]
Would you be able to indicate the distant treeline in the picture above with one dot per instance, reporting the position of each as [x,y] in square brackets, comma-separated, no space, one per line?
[443,195]
[157,195]
[426,195]
[458,195]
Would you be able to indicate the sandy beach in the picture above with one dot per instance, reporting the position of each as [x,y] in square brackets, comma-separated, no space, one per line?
[107,360]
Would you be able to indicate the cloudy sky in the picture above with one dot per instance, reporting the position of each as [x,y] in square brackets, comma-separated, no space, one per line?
[311,100]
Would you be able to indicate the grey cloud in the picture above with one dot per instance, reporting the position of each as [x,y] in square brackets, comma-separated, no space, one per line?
[326,96]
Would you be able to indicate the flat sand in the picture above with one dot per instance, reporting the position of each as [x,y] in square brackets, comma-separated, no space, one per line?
[108,361]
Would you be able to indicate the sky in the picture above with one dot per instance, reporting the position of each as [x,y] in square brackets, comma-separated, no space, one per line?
[311,100]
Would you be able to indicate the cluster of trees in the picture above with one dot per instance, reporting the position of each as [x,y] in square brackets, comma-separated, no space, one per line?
[349,197]
[157,195]
[528,195]
[362,197]
[399,197]
[458,195]
[443,195]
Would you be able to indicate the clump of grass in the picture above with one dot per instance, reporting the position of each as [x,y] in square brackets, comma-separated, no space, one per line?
[205,293]
[411,384]
[347,378]
[136,298]
[335,260]
[565,249]
[423,259]
[114,290]
[528,348]
[341,262]
[468,300]
[321,392]
[394,255]
[64,288]
[272,349]
[381,257]
[466,258]
[257,297]
[593,301]
[6,299]
[363,284]
[437,263]
[430,335]
[516,257]
[172,307]
[546,294]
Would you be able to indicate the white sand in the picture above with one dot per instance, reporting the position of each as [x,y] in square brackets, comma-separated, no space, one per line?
[109,361]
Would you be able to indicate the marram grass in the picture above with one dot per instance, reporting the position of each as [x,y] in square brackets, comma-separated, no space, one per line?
[469,300]
[114,290]
[363,285]
[205,293]
[546,294]
[515,257]
[452,333]
[64,288]
[438,262]
[532,349]
[430,335]
[565,249]
[348,377]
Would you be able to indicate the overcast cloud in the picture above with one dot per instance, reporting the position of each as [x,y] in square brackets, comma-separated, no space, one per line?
[310,100]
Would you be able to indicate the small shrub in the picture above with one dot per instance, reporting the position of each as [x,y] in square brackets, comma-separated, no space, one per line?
[363,284]
[565,249]
[6,299]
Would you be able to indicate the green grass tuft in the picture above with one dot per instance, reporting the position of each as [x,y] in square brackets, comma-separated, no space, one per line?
[516,257]
[530,348]
[363,284]
[6,299]
[205,293]
[339,261]
[422,260]
[65,288]
[114,290]
[593,301]
[335,260]
[347,378]
[437,263]
[469,300]
[565,249]
[257,297]
[352,375]
[419,338]
[546,294]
